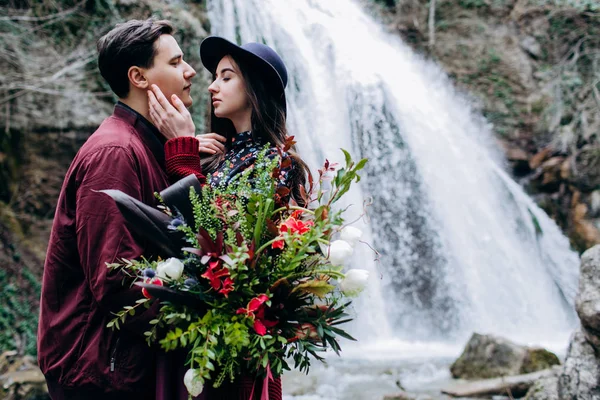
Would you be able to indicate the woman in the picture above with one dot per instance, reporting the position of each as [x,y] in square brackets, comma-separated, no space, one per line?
[249,111]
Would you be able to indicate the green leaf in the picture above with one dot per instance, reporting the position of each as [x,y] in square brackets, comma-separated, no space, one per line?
[342,333]
[347,156]
[317,287]
[361,164]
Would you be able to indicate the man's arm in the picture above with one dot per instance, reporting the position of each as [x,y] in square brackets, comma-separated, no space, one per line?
[102,234]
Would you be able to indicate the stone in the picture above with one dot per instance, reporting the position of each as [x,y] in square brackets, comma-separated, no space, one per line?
[545,388]
[587,302]
[595,203]
[516,154]
[531,46]
[487,356]
[519,160]
[580,376]
[585,169]
[537,359]
[539,158]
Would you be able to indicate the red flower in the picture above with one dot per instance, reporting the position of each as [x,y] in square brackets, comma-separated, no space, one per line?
[154,281]
[256,311]
[278,244]
[227,286]
[292,225]
[253,305]
[214,273]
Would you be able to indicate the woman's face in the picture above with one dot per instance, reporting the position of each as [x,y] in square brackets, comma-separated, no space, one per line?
[228,92]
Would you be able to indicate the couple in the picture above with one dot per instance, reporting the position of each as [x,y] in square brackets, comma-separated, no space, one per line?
[147,144]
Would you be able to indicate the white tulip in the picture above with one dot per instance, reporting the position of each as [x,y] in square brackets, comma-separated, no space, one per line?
[354,282]
[193,382]
[339,251]
[171,268]
[351,235]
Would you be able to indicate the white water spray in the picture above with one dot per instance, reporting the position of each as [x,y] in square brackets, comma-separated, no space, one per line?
[463,248]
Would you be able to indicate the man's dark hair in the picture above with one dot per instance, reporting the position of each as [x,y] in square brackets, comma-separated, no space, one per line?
[129,44]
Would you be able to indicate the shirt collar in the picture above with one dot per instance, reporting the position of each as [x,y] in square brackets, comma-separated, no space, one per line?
[149,134]
[242,139]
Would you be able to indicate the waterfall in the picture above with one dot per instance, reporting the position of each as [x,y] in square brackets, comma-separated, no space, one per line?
[462,247]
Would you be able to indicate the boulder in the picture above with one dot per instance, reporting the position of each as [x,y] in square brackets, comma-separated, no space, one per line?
[487,356]
[580,378]
[586,168]
[545,388]
[587,302]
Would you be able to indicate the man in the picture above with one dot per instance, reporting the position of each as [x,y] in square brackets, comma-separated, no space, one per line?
[80,357]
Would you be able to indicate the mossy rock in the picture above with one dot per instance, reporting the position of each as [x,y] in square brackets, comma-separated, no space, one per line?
[487,356]
[537,360]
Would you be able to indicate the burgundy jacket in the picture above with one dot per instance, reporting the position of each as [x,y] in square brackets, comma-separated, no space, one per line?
[79,292]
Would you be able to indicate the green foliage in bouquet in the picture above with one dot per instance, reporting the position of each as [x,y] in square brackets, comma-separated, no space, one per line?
[262,279]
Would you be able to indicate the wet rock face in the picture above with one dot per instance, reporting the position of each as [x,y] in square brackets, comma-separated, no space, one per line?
[544,389]
[588,299]
[580,377]
[487,356]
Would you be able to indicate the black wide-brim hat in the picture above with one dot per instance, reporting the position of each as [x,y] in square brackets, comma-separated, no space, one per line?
[256,55]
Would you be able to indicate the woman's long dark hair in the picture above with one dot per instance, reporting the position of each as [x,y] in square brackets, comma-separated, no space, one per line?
[268,126]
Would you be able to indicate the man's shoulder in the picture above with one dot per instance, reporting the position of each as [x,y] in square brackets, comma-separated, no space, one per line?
[113,139]
[113,132]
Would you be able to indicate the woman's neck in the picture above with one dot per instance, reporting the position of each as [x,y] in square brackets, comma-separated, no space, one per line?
[243,121]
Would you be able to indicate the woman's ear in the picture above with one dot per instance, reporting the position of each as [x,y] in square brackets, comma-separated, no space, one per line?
[137,77]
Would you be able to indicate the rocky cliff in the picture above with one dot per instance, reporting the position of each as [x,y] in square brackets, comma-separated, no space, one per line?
[533,69]
[51,99]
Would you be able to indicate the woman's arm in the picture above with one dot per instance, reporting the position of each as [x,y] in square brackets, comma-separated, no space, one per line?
[182,149]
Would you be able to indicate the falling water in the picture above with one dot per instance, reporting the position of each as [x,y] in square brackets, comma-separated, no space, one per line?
[462,247]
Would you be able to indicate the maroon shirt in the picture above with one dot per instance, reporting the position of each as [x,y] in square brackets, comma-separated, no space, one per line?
[79,292]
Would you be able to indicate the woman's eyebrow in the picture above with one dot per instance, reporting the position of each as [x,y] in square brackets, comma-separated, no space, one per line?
[227,69]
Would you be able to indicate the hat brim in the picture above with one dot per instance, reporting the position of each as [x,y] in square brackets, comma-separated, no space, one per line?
[214,48]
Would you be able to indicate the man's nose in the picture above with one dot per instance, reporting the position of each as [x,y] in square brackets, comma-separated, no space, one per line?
[190,73]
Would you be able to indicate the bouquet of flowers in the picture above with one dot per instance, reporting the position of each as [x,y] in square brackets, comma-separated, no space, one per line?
[253,283]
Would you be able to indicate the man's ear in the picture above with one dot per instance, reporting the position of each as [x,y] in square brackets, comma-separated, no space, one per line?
[137,77]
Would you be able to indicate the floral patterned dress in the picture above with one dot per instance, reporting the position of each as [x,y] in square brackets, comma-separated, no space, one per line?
[241,156]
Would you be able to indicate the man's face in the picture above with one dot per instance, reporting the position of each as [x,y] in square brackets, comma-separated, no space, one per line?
[169,72]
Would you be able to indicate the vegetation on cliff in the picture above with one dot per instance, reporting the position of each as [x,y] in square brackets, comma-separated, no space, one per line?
[51,99]
[533,68]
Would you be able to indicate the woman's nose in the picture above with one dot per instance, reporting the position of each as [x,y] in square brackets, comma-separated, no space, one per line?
[213,88]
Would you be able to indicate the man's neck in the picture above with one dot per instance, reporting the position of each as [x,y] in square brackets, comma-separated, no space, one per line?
[139,105]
